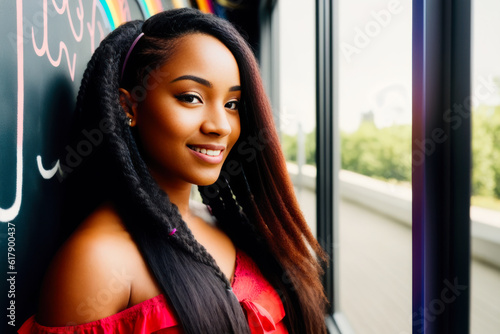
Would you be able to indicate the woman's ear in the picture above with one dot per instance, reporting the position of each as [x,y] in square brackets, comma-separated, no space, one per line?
[129,106]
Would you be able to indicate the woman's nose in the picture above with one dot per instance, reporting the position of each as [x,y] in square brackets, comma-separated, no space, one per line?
[216,122]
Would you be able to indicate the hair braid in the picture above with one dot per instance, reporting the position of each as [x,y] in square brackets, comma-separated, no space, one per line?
[265,220]
[140,199]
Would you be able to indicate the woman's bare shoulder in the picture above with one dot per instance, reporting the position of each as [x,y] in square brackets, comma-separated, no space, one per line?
[91,276]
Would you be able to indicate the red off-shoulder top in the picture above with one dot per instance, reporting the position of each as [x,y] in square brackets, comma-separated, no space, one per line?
[260,302]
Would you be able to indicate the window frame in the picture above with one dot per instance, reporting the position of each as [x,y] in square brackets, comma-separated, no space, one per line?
[441,179]
[328,155]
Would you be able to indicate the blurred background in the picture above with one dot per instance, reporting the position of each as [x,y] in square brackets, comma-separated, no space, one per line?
[374,106]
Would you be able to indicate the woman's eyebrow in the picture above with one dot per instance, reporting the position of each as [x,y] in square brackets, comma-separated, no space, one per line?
[203,82]
[195,79]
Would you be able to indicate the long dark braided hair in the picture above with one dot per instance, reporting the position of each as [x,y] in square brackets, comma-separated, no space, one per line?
[253,199]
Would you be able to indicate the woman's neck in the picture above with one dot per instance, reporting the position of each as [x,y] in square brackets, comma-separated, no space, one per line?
[178,192]
[180,197]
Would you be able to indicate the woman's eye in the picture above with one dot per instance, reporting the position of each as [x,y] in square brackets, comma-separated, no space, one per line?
[233,105]
[188,98]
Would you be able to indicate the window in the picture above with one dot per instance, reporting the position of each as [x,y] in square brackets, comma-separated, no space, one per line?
[485,210]
[374,107]
[441,179]
[295,98]
[392,163]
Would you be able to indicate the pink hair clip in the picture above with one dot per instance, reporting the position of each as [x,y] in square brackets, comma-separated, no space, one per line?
[173,231]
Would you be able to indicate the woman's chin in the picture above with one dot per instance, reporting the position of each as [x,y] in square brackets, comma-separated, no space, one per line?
[208,181]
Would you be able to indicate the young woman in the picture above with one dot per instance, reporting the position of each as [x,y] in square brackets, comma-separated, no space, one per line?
[179,101]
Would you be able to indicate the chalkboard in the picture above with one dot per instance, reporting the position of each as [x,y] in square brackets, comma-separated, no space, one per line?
[45,46]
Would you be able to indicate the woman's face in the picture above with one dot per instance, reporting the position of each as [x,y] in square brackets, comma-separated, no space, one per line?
[188,120]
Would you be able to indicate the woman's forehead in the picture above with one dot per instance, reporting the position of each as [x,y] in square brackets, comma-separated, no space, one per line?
[205,56]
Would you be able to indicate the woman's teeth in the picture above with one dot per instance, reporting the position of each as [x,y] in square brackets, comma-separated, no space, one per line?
[205,151]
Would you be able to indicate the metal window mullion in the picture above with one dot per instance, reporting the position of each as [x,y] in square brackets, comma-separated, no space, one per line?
[325,150]
[441,153]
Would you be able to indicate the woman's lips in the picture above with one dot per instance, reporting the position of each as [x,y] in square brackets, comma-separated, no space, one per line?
[208,153]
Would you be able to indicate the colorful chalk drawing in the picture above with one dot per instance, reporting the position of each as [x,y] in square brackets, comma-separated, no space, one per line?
[79,13]
[44,49]
[115,12]
[150,7]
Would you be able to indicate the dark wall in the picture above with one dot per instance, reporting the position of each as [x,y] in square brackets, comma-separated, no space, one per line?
[44,51]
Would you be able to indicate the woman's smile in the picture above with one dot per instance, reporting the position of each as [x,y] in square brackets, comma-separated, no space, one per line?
[187,124]
[208,153]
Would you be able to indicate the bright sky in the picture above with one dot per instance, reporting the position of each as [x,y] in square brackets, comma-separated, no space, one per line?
[486,43]
[297,65]
[374,60]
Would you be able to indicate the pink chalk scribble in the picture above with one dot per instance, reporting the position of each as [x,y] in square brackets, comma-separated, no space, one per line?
[44,49]
[91,27]
[79,13]
[125,9]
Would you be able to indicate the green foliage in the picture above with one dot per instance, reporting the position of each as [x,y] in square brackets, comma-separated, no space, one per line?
[486,151]
[289,145]
[386,153]
[378,153]
[310,147]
